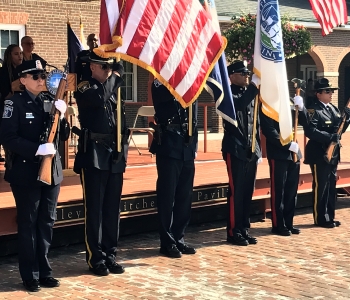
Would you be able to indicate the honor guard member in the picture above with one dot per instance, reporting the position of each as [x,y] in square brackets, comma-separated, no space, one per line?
[237,152]
[82,67]
[323,125]
[284,172]
[175,153]
[101,168]
[25,121]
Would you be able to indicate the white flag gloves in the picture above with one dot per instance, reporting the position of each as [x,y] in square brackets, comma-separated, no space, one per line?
[298,100]
[61,106]
[256,80]
[46,149]
[294,147]
[260,160]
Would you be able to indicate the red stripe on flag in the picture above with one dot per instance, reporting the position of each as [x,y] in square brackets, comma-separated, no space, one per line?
[123,17]
[212,48]
[190,51]
[145,26]
[170,36]
[105,31]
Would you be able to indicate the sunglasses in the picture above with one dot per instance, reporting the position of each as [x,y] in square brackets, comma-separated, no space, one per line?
[245,74]
[327,91]
[32,44]
[105,67]
[37,76]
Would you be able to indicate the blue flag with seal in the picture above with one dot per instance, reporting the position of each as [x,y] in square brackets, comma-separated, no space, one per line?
[74,47]
[217,84]
[270,66]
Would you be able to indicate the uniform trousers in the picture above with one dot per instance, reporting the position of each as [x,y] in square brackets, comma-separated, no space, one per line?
[241,176]
[324,192]
[174,198]
[284,176]
[36,213]
[102,194]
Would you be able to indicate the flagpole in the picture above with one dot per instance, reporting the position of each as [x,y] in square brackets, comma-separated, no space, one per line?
[119,118]
[255,118]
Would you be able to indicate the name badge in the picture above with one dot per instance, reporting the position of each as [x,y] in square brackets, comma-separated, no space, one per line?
[29,115]
[328,122]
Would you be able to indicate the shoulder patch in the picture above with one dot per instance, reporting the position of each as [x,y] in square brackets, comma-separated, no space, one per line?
[8,102]
[311,112]
[83,86]
[7,112]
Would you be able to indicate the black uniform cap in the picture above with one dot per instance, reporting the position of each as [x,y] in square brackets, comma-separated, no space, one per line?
[30,67]
[238,66]
[323,84]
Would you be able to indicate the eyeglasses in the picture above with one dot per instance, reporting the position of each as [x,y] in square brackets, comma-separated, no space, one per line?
[37,76]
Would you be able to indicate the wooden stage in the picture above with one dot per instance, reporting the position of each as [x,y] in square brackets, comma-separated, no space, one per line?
[138,198]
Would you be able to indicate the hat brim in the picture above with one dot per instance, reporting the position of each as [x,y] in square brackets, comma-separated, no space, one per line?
[242,70]
[326,88]
[97,61]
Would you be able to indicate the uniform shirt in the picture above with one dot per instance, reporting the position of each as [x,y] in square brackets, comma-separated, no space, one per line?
[97,113]
[271,130]
[238,140]
[82,68]
[5,86]
[324,121]
[174,140]
[24,120]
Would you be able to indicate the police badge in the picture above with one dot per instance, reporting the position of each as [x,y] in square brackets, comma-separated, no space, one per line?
[53,80]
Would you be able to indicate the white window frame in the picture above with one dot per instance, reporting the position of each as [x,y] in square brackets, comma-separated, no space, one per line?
[303,69]
[15,27]
[134,88]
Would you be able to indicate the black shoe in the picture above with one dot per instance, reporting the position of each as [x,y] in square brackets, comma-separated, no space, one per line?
[115,268]
[294,230]
[251,240]
[32,285]
[100,270]
[281,231]
[327,225]
[237,239]
[170,251]
[186,249]
[49,282]
[337,223]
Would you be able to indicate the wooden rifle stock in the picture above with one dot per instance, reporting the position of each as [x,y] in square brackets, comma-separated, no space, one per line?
[45,171]
[296,120]
[330,150]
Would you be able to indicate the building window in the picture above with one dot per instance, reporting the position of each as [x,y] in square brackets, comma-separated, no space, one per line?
[10,34]
[128,89]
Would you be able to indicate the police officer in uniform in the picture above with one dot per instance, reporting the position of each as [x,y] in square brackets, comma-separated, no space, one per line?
[284,172]
[101,167]
[25,119]
[237,152]
[82,67]
[324,122]
[175,153]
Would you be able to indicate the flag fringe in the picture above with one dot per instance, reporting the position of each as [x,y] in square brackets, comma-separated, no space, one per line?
[106,51]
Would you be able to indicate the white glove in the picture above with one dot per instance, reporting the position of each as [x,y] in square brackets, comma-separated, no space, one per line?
[260,160]
[46,149]
[294,147]
[298,100]
[256,80]
[61,106]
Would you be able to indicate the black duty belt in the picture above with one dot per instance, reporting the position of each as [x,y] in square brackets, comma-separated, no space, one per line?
[105,138]
[183,127]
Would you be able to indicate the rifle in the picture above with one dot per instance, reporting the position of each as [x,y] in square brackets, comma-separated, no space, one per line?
[331,148]
[45,171]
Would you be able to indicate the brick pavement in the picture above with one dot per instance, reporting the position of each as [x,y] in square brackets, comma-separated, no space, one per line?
[313,265]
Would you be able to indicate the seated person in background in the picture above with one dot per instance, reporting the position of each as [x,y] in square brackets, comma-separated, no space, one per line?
[28,47]
[12,58]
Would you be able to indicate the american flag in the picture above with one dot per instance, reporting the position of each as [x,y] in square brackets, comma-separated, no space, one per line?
[175,40]
[329,13]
